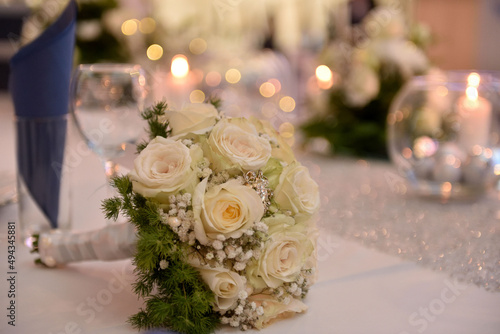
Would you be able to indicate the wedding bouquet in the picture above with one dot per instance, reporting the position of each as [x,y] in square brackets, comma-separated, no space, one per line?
[224,222]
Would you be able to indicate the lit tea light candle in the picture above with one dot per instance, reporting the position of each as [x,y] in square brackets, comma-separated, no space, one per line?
[177,85]
[179,67]
[475,112]
[324,77]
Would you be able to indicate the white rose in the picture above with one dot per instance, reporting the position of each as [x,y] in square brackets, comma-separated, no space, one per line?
[225,284]
[196,118]
[236,143]
[297,191]
[361,86]
[165,167]
[273,309]
[284,255]
[228,209]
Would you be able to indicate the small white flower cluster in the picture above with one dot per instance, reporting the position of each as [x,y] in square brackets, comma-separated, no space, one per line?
[164,264]
[204,170]
[218,178]
[187,142]
[180,217]
[244,315]
[297,289]
[236,252]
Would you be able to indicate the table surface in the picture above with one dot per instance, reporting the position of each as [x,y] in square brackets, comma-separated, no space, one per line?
[364,286]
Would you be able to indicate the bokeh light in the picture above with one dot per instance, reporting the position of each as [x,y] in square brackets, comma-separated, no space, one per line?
[213,79]
[287,104]
[276,83]
[129,27]
[147,25]
[233,76]
[197,96]
[286,130]
[267,89]
[154,52]
[197,46]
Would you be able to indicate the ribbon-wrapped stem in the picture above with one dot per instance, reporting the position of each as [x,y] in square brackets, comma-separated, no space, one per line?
[113,242]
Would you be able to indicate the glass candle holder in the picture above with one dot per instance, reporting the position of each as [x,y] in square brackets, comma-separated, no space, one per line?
[444,133]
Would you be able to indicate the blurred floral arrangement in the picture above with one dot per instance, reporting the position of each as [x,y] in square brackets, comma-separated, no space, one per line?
[359,79]
[116,30]
[239,24]
[97,39]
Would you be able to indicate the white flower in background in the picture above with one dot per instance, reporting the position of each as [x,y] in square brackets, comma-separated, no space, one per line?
[361,85]
[225,284]
[285,254]
[407,56]
[273,309]
[89,30]
[228,209]
[297,191]
[195,118]
[165,167]
[385,22]
[235,143]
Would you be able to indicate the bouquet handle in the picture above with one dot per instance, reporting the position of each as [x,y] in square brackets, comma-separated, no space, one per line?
[113,242]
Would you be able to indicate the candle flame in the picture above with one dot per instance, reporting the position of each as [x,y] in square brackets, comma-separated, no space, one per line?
[323,73]
[472,93]
[473,79]
[180,66]
[324,77]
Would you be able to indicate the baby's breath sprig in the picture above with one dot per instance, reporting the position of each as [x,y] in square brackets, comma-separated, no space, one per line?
[234,253]
[296,289]
[244,315]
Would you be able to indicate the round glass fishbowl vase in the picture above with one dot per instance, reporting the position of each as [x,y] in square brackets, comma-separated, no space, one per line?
[444,133]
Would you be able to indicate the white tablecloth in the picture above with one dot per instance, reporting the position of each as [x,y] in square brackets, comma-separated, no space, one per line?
[360,290]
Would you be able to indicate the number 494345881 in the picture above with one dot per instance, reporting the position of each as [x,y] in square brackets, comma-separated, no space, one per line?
[11,247]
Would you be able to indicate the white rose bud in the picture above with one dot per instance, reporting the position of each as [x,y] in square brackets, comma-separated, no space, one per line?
[297,191]
[195,118]
[225,284]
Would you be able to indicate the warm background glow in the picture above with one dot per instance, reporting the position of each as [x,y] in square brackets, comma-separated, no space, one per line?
[180,66]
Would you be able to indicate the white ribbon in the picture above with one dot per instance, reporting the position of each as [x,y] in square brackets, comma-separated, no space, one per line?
[113,242]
